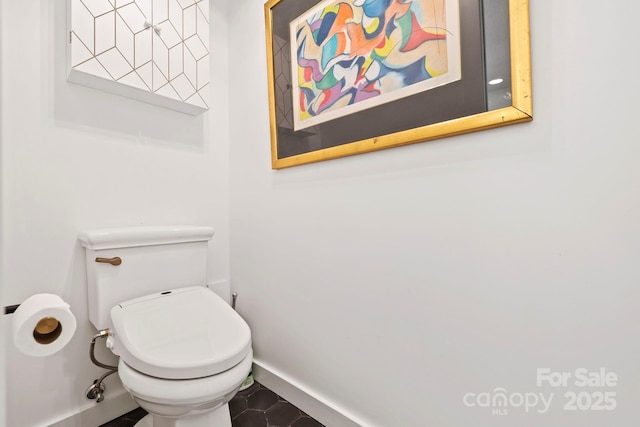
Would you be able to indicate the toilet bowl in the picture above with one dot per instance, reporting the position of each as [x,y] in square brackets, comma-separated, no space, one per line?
[178,398]
[184,352]
[183,355]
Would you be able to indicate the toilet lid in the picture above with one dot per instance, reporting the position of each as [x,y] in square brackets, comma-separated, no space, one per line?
[179,334]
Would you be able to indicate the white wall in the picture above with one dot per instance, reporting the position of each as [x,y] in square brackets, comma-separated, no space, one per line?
[393,283]
[2,351]
[392,280]
[74,158]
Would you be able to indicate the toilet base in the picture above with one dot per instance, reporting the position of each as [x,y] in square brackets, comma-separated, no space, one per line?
[219,417]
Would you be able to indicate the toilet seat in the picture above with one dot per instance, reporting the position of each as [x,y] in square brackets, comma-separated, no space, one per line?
[183,333]
[184,392]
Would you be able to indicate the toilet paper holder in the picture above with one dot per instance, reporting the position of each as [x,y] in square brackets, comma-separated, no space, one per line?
[47,330]
[10,309]
[42,324]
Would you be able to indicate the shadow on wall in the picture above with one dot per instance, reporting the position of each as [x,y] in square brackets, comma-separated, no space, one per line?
[88,109]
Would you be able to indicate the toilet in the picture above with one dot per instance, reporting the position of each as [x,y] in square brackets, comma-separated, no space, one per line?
[184,352]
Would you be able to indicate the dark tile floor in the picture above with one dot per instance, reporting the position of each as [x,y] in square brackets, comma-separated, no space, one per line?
[256,406]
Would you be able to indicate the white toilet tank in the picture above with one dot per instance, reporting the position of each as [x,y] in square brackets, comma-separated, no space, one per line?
[126,263]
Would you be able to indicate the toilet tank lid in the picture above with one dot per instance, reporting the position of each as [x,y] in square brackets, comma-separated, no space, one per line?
[127,237]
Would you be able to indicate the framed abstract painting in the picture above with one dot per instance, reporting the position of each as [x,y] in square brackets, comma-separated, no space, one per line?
[353,76]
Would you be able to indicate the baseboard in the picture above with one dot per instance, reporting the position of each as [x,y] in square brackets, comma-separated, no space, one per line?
[320,408]
[97,414]
[316,406]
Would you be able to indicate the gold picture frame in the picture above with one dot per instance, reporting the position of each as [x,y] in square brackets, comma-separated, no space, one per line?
[519,110]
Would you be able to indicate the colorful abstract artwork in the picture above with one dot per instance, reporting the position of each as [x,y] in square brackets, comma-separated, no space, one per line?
[352,55]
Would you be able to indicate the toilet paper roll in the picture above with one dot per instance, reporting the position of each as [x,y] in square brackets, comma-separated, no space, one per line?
[43,325]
